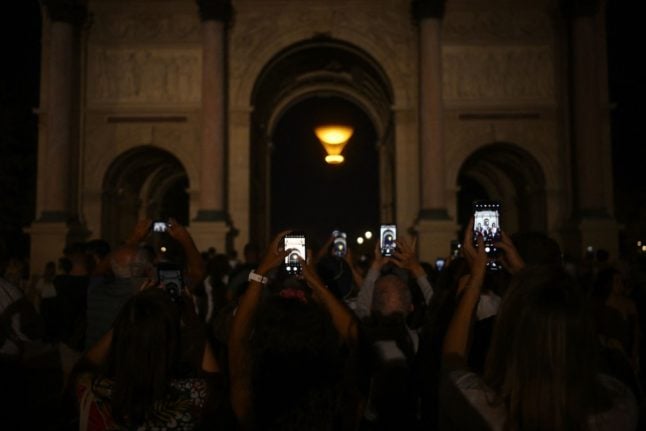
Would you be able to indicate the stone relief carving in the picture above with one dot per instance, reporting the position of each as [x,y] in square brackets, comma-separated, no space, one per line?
[145,26]
[471,73]
[386,34]
[501,25]
[125,75]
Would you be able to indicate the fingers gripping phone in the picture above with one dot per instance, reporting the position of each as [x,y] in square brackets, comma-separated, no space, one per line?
[387,238]
[171,279]
[339,244]
[486,222]
[295,244]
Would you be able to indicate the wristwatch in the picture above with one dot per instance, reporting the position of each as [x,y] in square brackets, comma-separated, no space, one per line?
[257,277]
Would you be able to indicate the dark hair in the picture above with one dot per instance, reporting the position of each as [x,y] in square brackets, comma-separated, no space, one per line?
[536,248]
[541,363]
[100,247]
[143,354]
[603,284]
[298,366]
[336,274]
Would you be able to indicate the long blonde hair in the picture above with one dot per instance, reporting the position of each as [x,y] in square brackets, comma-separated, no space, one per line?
[541,363]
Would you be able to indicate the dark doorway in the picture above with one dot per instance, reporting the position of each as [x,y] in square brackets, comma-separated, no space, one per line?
[310,195]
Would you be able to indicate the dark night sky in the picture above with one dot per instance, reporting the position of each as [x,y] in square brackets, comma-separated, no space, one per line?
[20,74]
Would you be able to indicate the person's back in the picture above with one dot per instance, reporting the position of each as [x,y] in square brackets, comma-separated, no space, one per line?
[130,265]
[131,379]
[541,371]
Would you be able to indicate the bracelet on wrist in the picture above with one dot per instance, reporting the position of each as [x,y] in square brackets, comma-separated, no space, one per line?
[253,276]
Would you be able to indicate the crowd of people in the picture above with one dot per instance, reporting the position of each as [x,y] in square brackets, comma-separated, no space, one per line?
[109,338]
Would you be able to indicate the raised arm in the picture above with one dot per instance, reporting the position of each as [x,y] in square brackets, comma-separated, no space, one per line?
[342,318]
[241,328]
[457,334]
[195,268]
[364,298]
[406,258]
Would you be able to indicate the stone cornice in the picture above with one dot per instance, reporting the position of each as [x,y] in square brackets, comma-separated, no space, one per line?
[216,10]
[579,8]
[70,11]
[423,9]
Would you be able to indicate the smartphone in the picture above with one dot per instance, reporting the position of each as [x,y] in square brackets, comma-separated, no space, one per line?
[387,238]
[340,243]
[486,222]
[295,244]
[160,226]
[439,263]
[455,248]
[171,279]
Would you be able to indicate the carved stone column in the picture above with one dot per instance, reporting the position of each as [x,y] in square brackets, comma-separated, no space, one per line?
[59,175]
[435,228]
[590,119]
[209,227]
[57,218]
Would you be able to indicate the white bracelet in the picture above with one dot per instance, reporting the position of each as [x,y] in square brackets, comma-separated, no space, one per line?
[253,276]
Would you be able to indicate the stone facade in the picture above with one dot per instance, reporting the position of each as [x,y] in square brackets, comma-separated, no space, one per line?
[503,77]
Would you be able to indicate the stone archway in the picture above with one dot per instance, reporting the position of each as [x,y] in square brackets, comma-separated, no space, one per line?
[510,174]
[319,68]
[142,182]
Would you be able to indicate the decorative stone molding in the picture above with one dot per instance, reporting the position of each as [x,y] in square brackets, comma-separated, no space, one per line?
[498,73]
[497,26]
[579,8]
[386,34]
[70,11]
[140,75]
[218,10]
[422,9]
[145,26]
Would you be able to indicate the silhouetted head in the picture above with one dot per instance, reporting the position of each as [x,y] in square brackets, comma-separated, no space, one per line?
[542,357]
[143,354]
[391,296]
[298,362]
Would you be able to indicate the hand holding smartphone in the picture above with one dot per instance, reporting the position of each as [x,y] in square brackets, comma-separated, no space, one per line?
[486,222]
[339,244]
[171,279]
[295,245]
[387,239]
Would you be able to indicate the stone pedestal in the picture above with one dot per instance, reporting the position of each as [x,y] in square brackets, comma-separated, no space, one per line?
[209,234]
[434,239]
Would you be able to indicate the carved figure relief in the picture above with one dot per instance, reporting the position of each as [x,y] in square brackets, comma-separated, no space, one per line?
[471,73]
[144,75]
[497,25]
[145,27]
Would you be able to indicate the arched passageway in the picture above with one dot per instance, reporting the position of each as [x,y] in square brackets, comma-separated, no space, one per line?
[314,82]
[142,182]
[510,174]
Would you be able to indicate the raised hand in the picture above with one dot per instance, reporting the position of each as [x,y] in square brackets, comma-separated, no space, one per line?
[406,258]
[510,257]
[274,255]
[476,257]
[178,232]
[139,232]
[379,260]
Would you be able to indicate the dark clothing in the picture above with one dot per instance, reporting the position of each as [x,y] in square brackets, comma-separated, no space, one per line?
[104,301]
[468,403]
[71,293]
